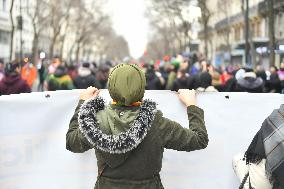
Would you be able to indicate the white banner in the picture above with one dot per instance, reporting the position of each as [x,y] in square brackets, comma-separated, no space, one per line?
[33,128]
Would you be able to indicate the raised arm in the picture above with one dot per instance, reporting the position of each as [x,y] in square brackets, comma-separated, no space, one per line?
[195,137]
[75,141]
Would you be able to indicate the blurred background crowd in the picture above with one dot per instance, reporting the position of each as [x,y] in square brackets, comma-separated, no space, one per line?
[209,45]
[183,71]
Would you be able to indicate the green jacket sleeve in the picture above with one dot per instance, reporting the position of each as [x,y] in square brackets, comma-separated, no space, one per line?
[175,137]
[75,140]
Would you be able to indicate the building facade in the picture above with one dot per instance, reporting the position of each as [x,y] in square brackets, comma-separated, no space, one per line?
[227,32]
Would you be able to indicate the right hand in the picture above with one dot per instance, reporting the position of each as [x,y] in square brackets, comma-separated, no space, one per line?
[187,97]
[90,92]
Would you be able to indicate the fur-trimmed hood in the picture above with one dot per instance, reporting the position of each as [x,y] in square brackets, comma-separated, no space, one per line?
[114,143]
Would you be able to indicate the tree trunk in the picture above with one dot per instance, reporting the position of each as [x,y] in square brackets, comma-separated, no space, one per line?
[12,31]
[271,32]
[78,52]
[51,47]
[35,48]
[205,25]
[62,47]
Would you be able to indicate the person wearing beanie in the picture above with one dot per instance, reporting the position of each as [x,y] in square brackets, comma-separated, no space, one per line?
[130,134]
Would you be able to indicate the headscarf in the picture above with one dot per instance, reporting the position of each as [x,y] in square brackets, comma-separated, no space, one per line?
[126,84]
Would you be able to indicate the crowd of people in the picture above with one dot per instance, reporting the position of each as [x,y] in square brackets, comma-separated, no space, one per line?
[169,73]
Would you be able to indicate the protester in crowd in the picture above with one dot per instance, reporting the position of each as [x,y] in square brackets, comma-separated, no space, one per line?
[226,75]
[281,71]
[29,72]
[165,70]
[72,71]
[129,136]
[94,68]
[102,75]
[273,84]
[154,81]
[231,83]
[41,70]
[205,83]
[60,80]
[182,80]
[262,166]
[281,74]
[52,67]
[216,77]
[12,83]
[172,74]
[196,67]
[2,67]
[260,72]
[249,82]
[85,77]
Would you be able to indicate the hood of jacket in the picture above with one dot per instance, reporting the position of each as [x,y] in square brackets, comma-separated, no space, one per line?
[12,79]
[115,130]
[60,72]
[84,72]
[250,82]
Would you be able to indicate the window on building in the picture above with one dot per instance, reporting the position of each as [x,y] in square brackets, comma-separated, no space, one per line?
[258,29]
[237,33]
[4,37]
[4,5]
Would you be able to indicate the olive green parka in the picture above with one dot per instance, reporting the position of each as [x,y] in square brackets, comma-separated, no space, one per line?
[129,141]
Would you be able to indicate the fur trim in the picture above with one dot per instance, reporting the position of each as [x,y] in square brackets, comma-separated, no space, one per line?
[115,144]
[83,72]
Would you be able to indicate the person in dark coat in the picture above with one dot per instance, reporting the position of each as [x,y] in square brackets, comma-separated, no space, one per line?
[85,78]
[249,82]
[129,135]
[42,75]
[12,83]
[152,80]
[182,81]
[102,75]
[205,83]
[273,85]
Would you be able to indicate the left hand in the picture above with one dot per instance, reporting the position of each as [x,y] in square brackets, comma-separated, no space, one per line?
[90,92]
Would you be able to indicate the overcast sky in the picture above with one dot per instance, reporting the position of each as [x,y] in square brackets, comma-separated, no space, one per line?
[129,21]
[128,17]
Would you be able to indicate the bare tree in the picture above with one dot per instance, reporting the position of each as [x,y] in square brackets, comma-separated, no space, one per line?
[250,37]
[224,7]
[271,31]
[205,16]
[39,18]
[12,30]
[171,24]
[59,13]
[86,25]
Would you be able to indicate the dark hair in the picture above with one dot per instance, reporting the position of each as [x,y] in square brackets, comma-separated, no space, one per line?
[86,65]
[11,67]
[275,67]
[205,80]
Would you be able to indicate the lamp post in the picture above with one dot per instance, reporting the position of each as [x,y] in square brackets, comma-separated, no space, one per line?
[247,47]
